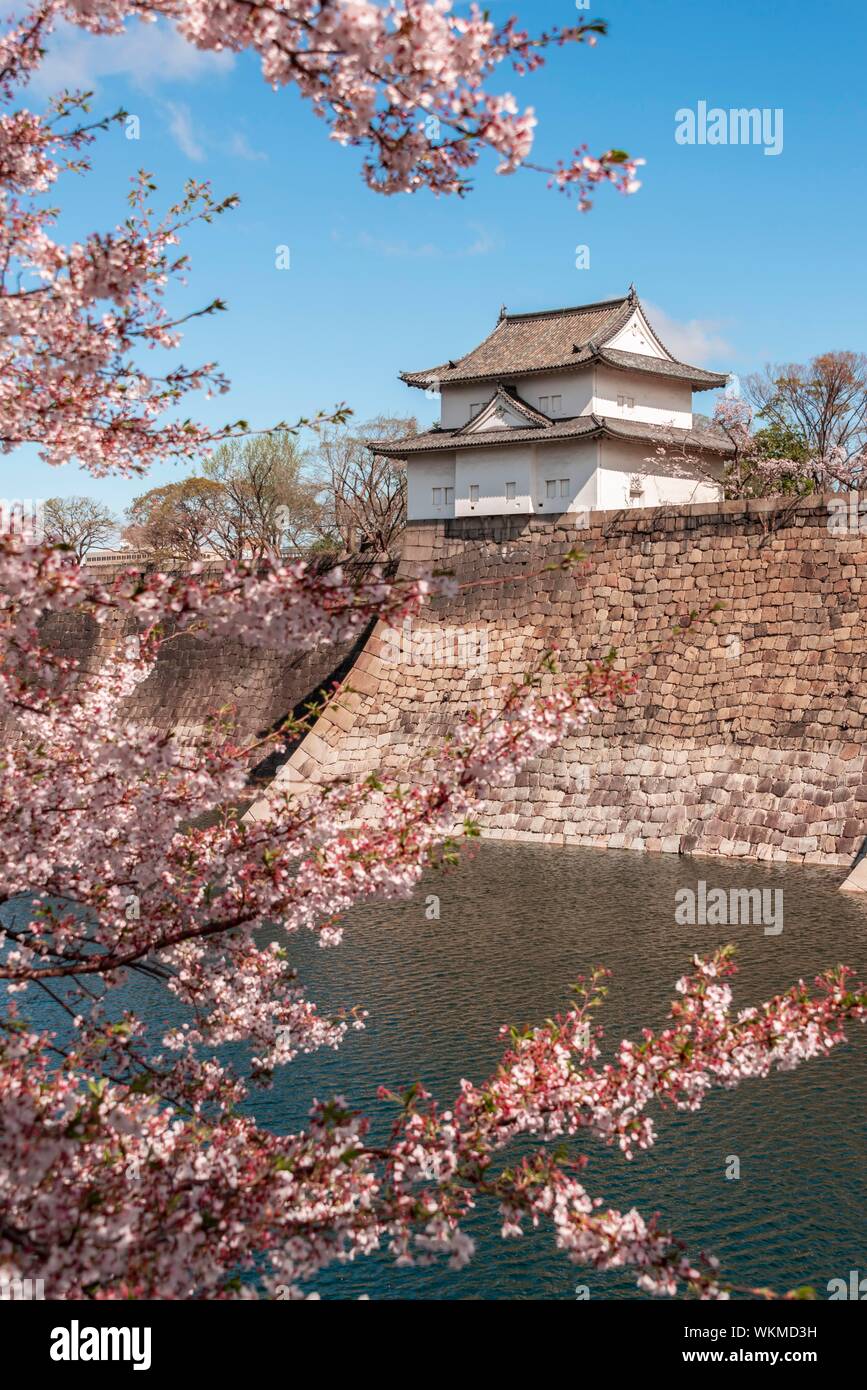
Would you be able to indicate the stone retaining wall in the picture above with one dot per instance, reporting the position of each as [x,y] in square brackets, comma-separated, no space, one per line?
[747,733]
[194,678]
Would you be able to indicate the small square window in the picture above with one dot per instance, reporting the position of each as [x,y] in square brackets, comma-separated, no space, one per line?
[564,487]
[437,496]
[551,487]
[474,409]
[621,401]
[449,495]
[510,492]
[630,401]
[543,404]
[474,492]
[556,403]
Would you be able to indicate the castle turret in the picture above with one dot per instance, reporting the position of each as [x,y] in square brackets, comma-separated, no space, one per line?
[562,410]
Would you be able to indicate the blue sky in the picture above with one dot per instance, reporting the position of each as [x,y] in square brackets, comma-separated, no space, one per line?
[742,257]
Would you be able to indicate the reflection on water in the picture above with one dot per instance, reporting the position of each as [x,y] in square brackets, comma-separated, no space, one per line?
[516,925]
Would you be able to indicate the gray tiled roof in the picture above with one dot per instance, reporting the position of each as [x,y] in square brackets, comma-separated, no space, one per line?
[576,427]
[531,343]
[554,339]
[661,366]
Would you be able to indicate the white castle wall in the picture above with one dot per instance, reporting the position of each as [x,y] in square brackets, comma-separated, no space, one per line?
[423,475]
[575,389]
[658,401]
[620,462]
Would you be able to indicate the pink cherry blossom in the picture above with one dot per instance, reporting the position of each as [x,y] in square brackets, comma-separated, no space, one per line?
[129,1164]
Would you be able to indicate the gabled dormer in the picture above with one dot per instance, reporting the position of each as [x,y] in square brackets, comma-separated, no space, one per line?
[505,410]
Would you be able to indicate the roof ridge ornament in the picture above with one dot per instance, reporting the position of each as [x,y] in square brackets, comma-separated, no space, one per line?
[502,313]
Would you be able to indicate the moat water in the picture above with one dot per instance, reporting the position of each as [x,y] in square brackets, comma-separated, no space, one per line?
[517,923]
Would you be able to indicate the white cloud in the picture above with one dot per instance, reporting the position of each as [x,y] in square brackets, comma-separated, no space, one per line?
[397,248]
[239,145]
[695,342]
[181,126]
[147,55]
[483,244]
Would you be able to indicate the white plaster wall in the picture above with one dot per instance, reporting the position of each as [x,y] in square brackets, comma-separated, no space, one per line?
[423,474]
[575,387]
[661,480]
[491,468]
[455,402]
[599,473]
[635,336]
[658,400]
[575,460]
